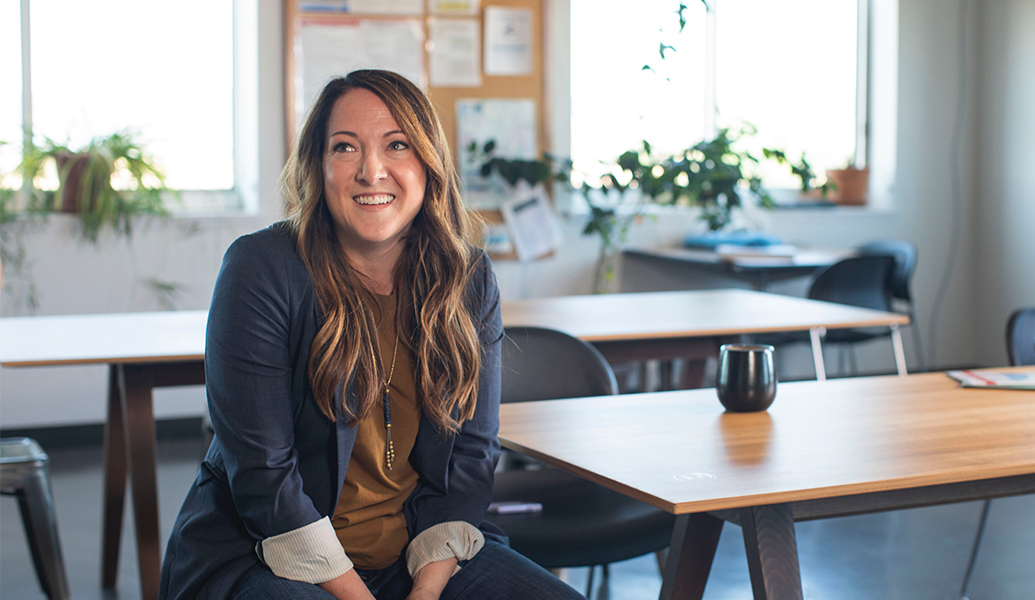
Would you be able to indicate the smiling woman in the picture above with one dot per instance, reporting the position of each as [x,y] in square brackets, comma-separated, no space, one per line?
[353,375]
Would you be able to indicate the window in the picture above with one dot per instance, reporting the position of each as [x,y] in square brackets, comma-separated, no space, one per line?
[165,70]
[788,68]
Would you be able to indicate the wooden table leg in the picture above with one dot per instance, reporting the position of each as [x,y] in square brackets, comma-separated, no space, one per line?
[114,480]
[138,411]
[695,538]
[772,552]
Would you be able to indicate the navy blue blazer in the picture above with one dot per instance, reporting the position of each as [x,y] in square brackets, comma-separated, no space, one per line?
[277,463]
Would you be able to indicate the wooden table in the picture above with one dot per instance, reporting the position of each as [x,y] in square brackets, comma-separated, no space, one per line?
[143,351]
[690,324]
[756,268]
[840,447]
[148,350]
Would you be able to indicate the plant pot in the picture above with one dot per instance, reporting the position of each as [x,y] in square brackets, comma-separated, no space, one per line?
[852,185]
[70,175]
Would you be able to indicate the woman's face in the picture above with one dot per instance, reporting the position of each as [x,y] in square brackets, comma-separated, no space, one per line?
[373,179]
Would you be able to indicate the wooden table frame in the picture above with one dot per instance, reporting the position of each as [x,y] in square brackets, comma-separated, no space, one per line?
[770,541]
[129,449]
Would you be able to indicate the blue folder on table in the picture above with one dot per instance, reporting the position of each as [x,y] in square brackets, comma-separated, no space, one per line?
[711,240]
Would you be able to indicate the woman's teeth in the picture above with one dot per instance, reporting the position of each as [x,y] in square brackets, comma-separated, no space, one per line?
[372,200]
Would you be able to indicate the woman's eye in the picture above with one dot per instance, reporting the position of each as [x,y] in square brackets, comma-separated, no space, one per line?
[342,147]
[398,145]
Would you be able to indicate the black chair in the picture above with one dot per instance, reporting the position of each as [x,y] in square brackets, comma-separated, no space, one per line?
[900,284]
[862,281]
[581,524]
[1020,348]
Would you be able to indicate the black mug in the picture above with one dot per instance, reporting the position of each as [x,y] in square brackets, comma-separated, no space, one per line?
[746,381]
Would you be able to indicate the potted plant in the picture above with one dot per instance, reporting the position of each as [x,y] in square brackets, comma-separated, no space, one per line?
[849,185]
[106,182]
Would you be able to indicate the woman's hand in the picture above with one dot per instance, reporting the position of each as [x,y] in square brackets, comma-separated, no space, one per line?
[431,579]
[348,587]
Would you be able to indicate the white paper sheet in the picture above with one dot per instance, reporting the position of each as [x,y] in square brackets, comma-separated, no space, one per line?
[533,228]
[455,51]
[511,122]
[508,41]
[365,7]
[455,7]
[333,49]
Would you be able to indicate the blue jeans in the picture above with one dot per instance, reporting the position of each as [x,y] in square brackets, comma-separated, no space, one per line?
[496,572]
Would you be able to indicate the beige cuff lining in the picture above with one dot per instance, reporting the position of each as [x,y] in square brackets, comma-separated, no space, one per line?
[311,554]
[453,539]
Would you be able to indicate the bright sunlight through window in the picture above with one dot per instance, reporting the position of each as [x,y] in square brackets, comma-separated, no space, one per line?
[162,69]
[788,68]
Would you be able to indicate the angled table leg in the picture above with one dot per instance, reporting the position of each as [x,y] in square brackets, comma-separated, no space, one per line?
[695,538]
[138,414]
[772,552]
[114,479]
[815,334]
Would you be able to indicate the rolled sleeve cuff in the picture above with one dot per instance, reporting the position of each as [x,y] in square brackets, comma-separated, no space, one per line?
[453,539]
[311,554]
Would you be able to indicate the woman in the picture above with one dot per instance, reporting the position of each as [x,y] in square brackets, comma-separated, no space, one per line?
[352,365]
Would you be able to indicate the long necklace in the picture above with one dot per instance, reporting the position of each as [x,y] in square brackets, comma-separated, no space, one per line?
[389,448]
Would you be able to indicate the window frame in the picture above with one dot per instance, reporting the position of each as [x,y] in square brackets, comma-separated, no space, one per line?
[243,198]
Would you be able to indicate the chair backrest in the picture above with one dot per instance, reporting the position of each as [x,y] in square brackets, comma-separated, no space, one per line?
[545,364]
[904,254]
[859,280]
[1020,337]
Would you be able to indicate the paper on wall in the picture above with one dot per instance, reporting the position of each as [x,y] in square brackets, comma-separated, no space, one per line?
[455,50]
[333,49]
[508,41]
[534,230]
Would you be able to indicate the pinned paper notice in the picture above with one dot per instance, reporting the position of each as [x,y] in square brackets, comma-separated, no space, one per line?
[508,41]
[533,227]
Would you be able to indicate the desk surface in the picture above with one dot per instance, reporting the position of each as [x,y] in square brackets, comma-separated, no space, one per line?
[180,335]
[143,337]
[681,452]
[656,315]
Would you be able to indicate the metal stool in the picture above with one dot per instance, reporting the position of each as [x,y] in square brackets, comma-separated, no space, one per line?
[24,474]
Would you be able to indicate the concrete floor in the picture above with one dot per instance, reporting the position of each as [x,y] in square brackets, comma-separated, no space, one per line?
[918,554]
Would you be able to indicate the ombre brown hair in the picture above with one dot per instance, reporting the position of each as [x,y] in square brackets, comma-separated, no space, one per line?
[433,272]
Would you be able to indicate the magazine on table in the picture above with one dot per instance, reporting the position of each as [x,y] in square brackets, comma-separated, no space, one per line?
[994,378]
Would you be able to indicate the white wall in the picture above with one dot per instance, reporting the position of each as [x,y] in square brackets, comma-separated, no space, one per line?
[1004,200]
[994,272]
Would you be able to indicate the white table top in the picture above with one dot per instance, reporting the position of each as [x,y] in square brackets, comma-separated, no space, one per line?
[103,339]
[180,335]
[700,313]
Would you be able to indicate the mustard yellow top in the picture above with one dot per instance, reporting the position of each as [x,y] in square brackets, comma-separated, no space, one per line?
[368,518]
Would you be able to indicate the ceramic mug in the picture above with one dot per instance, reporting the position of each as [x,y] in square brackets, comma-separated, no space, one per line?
[746,381]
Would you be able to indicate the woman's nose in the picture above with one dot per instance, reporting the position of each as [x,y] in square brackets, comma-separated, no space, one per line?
[372,170]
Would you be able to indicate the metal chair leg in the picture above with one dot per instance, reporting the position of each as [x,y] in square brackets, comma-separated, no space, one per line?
[965,589]
[37,507]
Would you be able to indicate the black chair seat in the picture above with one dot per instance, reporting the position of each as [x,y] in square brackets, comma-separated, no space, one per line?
[568,532]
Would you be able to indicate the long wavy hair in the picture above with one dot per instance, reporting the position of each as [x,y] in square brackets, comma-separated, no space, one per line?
[430,279]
